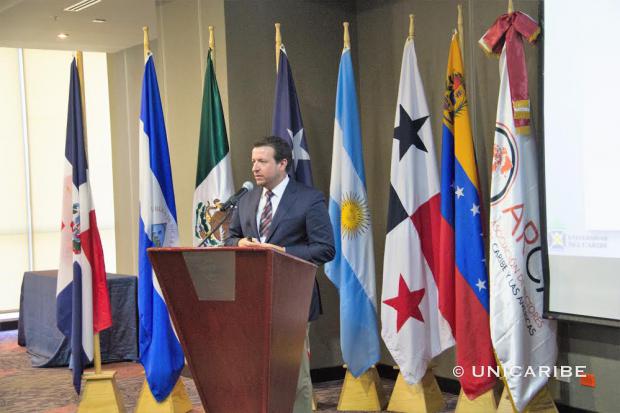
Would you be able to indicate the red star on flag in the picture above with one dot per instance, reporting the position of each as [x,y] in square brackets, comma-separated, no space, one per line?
[406,303]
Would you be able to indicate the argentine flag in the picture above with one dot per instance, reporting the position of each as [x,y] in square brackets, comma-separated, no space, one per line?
[160,350]
[353,268]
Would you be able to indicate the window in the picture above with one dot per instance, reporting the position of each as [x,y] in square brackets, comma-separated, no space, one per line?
[34,149]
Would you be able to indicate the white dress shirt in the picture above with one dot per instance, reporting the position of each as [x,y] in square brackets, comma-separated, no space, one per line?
[278,191]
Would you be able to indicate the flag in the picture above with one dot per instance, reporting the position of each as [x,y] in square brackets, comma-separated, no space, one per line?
[521,337]
[412,327]
[82,299]
[353,268]
[463,279]
[287,122]
[214,181]
[160,350]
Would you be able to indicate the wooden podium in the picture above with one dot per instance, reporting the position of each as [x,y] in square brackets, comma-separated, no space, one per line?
[240,315]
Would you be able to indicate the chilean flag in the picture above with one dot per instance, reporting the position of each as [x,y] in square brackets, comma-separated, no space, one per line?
[463,280]
[82,299]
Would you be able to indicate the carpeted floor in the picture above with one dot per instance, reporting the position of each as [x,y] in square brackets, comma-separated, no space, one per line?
[24,389]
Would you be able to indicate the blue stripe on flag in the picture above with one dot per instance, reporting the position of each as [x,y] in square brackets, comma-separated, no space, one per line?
[152,117]
[469,244]
[447,175]
[160,351]
[347,114]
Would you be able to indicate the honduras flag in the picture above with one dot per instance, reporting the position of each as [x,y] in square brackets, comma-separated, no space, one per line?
[353,269]
[82,300]
[160,350]
[287,123]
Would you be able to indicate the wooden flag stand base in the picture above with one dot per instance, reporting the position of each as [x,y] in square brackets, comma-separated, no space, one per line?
[314,403]
[542,403]
[176,402]
[364,393]
[100,394]
[485,403]
[424,396]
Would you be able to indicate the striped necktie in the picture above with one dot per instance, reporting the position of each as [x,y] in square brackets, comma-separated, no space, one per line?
[265,217]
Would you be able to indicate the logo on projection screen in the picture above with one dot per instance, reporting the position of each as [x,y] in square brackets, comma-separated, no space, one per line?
[505,163]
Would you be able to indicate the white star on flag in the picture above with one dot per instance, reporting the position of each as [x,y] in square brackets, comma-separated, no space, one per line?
[299,153]
[481,285]
[475,209]
[459,192]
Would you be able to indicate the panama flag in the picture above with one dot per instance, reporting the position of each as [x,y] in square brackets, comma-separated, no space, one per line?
[82,300]
[214,180]
[287,122]
[521,337]
[463,281]
[413,328]
[160,350]
[353,268]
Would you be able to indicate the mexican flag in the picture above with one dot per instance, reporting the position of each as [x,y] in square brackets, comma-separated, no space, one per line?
[214,181]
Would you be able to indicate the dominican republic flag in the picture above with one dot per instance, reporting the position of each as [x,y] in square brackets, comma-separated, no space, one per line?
[412,327]
[214,180]
[522,338]
[463,281]
[353,269]
[287,123]
[160,350]
[82,299]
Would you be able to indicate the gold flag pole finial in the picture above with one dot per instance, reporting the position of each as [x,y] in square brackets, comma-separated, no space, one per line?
[147,48]
[347,38]
[511,7]
[411,27]
[212,43]
[459,25]
[211,39]
[278,45]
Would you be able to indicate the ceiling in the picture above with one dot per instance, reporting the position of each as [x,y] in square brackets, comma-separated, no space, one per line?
[35,24]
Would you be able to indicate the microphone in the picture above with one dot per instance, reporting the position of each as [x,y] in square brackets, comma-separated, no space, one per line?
[234,199]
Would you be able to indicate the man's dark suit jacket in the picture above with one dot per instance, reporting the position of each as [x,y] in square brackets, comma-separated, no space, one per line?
[301,225]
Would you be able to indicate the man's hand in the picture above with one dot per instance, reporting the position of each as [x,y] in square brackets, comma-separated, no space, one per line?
[249,242]
[273,247]
[254,243]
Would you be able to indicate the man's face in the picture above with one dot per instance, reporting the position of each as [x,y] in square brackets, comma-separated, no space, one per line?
[267,172]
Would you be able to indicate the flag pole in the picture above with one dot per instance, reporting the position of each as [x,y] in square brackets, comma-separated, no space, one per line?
[79,61]
[347,38]
[100,391]
[178,399]
[278,45]
[459,25]
[147,48]
[212,44]
[511,7]
[411,27]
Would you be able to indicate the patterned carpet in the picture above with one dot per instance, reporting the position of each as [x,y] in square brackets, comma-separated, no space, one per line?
[24,389]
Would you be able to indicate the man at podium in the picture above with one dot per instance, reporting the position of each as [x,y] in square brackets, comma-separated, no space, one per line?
[285,215]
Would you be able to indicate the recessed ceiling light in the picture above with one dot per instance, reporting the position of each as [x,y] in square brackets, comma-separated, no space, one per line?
[62,36]
[99,20]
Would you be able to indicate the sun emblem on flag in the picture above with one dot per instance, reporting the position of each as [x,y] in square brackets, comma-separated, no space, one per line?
[354,215]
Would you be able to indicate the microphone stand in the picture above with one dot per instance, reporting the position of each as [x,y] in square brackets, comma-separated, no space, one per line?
[215,228]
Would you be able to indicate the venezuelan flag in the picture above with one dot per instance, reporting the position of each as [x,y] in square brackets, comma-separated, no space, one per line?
[463,278]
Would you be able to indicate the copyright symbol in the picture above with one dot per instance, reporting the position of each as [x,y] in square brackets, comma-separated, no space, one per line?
[458,371]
